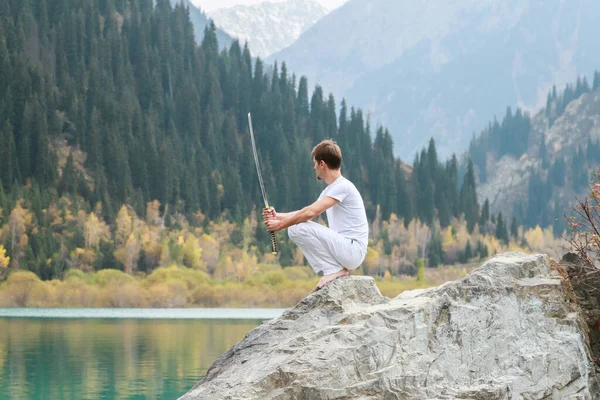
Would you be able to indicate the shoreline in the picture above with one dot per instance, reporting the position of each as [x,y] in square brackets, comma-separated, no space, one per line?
[144,313]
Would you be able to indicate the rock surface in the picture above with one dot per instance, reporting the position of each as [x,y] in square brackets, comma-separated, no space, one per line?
[509,330]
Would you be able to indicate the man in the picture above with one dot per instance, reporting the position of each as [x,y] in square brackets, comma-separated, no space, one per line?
[341,247]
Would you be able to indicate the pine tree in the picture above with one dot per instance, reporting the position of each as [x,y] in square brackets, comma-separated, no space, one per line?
[302,102]
[435,252]
[485,213]
[501,231]
[514,228]
[468,198]
[68,183]
[9,169]
[596,83]
[468,251]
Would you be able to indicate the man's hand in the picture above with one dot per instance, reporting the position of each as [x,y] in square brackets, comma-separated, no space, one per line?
[274,225]
[269,214]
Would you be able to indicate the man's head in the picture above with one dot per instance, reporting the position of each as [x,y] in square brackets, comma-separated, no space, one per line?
[326,155]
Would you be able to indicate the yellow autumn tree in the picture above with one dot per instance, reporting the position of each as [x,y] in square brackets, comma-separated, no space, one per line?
[225,268]
[371,261]
[19,221]
[449,246]
[150,241]
[4,259]
[153,213]
[221,231]
[210,252]
[129,254]
[82,259]
[245,267]
[124,226]
[535,238]
[94,230]
[421,234]
[249,228]
[192,253]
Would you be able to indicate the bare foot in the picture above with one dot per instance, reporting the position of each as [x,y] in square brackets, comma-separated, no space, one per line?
[328,278]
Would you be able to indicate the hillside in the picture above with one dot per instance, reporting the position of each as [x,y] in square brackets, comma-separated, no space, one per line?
[539,179]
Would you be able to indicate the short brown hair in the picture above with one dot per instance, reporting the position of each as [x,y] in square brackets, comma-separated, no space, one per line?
[330,152]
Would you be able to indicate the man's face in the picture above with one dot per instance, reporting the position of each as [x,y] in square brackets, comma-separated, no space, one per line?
[318,168]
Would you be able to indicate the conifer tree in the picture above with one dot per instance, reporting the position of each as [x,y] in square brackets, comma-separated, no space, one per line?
[468,198]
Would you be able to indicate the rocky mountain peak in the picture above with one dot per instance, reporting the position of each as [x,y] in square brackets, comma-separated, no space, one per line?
[269,26]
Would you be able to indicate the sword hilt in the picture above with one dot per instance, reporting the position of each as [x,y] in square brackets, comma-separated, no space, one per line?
[273,243]
[273,239]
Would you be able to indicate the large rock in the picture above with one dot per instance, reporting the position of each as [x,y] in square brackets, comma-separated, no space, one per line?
[509,330]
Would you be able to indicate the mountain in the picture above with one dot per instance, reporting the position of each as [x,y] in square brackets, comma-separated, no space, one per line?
[443,69]
[549,164]
[200,21]
[269,27]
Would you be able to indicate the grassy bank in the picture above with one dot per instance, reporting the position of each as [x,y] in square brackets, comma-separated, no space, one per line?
[270,286]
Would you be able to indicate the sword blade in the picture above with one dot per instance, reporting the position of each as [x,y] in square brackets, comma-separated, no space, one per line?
[262,185]
[260,179]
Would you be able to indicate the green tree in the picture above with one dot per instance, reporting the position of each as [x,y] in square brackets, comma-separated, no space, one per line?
[468,198]
[501,230]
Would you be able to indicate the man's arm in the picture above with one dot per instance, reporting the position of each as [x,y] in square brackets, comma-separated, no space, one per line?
[303,215]
[290,214]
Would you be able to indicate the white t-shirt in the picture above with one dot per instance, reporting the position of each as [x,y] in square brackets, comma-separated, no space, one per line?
[348,217]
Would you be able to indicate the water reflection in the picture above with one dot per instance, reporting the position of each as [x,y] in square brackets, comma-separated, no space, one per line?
[106,359]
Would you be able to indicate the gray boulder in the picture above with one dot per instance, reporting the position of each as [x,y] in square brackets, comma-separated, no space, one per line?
[511,329]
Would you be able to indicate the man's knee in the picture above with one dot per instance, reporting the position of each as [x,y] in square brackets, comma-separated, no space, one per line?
[296,231]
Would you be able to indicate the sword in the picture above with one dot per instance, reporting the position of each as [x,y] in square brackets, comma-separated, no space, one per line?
[262,185]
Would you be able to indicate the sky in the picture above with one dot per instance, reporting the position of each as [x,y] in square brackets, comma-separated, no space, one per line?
[208,5]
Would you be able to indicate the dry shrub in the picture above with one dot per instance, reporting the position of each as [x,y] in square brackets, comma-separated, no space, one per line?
[159,296]
[204,295]
[268,267]
[18,287]
[107,276]
[123,295]
[76,293]
[168,294]
[43,295]
[274,278]
[190,277]
[584,238]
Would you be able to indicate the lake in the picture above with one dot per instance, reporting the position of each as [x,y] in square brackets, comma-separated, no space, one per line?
[115,353]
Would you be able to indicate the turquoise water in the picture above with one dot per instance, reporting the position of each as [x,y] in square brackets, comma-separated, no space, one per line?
[113,353]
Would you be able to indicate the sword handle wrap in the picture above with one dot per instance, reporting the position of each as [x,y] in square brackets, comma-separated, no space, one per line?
[273,243]
[273,239]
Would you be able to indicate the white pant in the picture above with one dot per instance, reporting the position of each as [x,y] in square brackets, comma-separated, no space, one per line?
[326,250]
